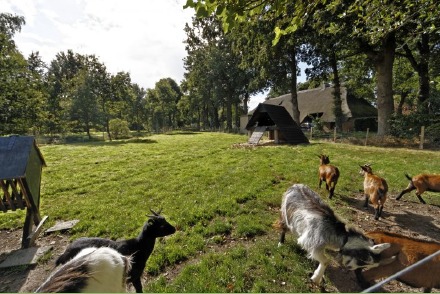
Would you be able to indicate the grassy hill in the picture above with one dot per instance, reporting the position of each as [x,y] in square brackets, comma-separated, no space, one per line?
[222,197]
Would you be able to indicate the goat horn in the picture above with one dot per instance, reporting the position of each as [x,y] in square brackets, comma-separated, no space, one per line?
[154,213]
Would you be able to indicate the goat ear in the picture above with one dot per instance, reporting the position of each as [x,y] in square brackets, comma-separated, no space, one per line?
[376,249]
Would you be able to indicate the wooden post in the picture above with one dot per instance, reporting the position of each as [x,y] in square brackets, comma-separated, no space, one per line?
[334,134]
[366,137]
[422,137]
[276,137]
[311,133]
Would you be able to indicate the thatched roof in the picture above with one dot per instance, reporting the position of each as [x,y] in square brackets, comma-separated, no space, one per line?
[274,115]
[320,101]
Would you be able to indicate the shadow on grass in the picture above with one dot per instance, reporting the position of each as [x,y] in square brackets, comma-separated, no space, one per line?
[110,143]
[421,224]
[182,133]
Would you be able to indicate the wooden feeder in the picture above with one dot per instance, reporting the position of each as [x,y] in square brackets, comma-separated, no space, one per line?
[21,164]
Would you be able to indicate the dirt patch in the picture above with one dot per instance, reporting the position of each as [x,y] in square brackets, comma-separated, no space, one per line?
[406,217]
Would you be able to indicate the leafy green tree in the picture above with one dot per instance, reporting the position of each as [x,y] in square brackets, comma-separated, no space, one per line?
[373,26]
[59,77]
[214,77]
[84,110]
[21,99]
[38,87]
[163,100]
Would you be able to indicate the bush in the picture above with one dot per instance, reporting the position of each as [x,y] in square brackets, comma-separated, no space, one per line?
[119,129]
[432,133]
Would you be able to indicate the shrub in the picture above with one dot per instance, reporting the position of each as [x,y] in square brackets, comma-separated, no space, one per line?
[119,128]
[432,133]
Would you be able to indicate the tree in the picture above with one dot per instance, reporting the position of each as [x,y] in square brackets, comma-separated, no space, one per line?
[268,65]
[21,99]
[163,100]
[84,109]
[214,77]
[59,76]
[374,32]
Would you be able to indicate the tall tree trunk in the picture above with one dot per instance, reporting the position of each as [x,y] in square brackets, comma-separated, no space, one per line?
[383,63]
[423,72]
[293,88]
[422,69]
[229,113]
[237,114]
[245,103]
[339,115]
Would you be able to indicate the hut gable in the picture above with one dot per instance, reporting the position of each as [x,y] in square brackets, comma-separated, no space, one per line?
[276,119]
[15,154]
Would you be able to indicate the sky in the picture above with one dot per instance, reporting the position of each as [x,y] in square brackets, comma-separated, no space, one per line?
[142,37]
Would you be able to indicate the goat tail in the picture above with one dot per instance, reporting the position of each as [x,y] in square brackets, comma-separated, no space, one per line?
[408,177]
[279,225]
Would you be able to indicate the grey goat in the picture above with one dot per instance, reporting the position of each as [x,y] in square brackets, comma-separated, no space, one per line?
[318,228]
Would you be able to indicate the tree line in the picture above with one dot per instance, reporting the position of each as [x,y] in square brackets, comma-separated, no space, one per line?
[75,93]
[383,51]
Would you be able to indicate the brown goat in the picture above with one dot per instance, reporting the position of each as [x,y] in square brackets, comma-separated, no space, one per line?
[375,189]
[407,251]
[421,183]
[327,173]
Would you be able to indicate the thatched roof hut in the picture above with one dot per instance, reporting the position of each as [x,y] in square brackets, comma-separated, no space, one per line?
[319,102]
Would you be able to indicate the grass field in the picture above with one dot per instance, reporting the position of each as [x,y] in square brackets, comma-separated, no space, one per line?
[221,197]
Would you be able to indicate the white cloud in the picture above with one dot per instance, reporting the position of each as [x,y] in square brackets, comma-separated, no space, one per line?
[142,37]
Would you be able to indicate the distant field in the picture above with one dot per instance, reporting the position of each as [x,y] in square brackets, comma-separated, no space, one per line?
[222,197]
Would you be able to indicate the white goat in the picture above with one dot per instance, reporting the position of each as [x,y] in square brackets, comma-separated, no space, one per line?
[303,212]
[98,270]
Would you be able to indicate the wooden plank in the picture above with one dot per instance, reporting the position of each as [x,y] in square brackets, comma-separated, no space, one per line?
[2,206]
[62,226]
[16,193]
[34,235]
[23,191]
[257,134]
[27,256]
[7,196]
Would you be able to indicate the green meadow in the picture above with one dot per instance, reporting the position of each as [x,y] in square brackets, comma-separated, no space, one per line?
[222,197]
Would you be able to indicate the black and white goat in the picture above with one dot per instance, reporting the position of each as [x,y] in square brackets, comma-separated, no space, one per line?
[99,270]
[318,228]
[139,248]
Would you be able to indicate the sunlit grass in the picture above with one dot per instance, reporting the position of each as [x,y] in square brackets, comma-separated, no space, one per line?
[217,194]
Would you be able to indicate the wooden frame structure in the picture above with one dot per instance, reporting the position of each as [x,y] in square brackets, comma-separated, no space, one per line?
[21,164]
[275,119]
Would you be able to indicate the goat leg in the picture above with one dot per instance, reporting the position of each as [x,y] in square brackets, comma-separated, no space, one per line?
[408,189]
[420,198]
[137,285]
[282,238]
[366,201]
